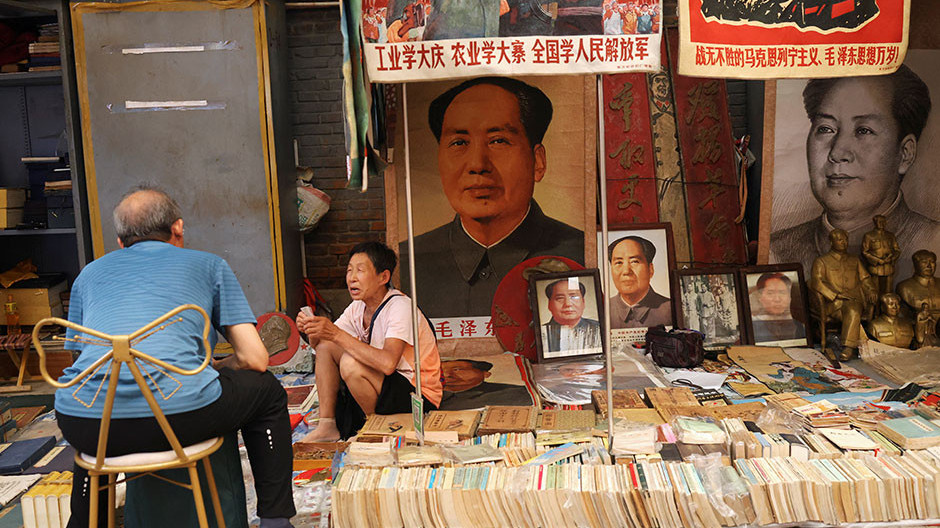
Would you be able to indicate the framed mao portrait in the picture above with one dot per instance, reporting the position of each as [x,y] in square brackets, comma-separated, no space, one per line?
[566,311]
[776,305]
[710,302]
[503,169]
[641,257]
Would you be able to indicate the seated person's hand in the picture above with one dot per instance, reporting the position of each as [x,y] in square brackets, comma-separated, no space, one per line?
[317,327]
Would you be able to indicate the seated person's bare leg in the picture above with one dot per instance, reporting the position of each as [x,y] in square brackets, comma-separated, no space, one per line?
[364,382]
[327,376]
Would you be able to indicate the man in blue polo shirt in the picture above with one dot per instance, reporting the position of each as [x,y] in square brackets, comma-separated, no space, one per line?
[124,290]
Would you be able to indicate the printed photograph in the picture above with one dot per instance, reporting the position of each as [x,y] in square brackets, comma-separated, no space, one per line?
[861,147]
[710,303]
[633,17]
[640,257]
[566,311]
[509,177]
[776,306]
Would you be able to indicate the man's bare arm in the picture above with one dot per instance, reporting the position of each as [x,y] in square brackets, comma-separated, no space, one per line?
[250,353]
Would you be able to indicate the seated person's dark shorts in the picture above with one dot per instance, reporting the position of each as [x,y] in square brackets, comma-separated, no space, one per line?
[394,398]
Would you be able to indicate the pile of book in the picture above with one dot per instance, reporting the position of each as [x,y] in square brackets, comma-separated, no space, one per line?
[44,55]
[644,493]
[48,503]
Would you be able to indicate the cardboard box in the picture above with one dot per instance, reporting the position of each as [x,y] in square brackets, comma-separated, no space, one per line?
[37,299]
[10,218]
[12,198]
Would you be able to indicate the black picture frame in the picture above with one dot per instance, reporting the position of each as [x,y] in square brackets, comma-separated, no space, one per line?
[709,304]
[795,333]
[554,341]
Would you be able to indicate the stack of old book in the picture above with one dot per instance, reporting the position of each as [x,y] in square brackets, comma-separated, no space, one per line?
[48,503]
[44,55]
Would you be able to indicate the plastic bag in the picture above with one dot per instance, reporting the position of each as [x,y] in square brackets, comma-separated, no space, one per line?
[698,430]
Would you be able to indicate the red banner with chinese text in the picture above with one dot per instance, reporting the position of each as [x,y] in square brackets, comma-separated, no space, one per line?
[800,38]
[416,40]
[708,166]
[630,167]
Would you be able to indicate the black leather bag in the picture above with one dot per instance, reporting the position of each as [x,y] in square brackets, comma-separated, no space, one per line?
[675,348]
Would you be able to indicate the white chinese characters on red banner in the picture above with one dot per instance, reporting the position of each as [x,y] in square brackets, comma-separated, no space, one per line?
[413,40]
[810,38]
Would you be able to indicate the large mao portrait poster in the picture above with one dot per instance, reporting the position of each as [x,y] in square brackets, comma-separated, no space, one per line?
[409,40]
[502,170]
[872,147]
[793,38]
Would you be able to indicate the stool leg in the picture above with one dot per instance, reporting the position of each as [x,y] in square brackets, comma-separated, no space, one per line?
[112,499]
[197,496]
[214,493]
[92,500]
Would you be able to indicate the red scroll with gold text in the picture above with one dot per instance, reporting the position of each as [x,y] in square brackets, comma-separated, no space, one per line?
[631,170]
[704,129]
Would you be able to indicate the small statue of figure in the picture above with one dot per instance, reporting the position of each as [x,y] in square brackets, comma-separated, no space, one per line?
[923,287]
[846,289]
[890,327]
[880,251]
[925,329]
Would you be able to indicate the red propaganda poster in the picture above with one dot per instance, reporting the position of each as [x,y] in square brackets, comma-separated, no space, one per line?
[792,38]
[628,141]
[416,40]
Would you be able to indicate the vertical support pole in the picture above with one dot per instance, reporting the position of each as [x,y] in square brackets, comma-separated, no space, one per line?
[605,263]
[415,321]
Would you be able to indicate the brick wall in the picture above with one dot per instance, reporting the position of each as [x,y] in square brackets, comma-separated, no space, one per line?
[314,64]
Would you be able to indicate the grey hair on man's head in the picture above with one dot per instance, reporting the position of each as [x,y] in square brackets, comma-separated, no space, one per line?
[145,213]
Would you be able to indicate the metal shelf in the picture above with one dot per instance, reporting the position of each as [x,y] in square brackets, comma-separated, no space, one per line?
[37,232]
[30,78]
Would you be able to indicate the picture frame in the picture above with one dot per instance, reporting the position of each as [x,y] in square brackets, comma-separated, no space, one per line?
[794,221]
[710,302]
[655,306]
[776,306]
[567,327]
[570,149]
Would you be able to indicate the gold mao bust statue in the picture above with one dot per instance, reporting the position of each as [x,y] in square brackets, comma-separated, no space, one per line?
[880,251]
[843,289]
[923,287]
[892,328]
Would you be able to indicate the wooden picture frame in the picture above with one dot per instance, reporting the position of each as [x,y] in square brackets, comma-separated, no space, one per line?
[566,192]
[648,309]
[556,339]
[776,305]
[710,302]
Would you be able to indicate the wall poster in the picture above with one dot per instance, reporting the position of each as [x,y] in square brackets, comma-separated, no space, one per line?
[799,38]
[410,40]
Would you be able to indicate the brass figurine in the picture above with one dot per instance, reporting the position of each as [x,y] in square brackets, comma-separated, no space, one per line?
[925,329]
[923,287]
[880,251]
[891,328]
[845,290]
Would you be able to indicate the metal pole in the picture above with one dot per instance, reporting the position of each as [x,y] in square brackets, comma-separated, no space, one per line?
[605,264]
[411,249]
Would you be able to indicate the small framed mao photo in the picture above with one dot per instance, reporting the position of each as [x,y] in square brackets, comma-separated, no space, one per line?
[640,257]
[710,302]
[566,310]
[776,305]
